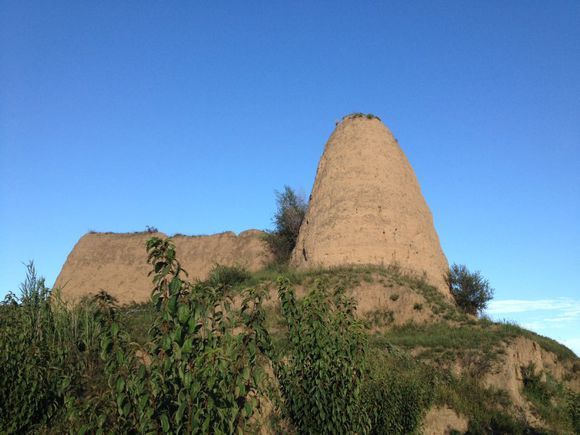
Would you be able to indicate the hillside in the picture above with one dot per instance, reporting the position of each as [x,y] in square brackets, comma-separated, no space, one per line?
[358,332]
[481,376]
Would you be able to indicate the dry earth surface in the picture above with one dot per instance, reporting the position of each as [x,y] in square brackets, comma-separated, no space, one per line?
[117,263]
[443,420]
[366,206]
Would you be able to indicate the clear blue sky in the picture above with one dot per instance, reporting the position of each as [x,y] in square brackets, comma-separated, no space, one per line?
[187,115]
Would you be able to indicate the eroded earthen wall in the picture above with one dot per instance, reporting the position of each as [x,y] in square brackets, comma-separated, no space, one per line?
[366,207]
[117,263]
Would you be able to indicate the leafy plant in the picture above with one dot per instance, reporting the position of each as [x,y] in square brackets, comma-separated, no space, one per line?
[47,356]
[573,408]
[397,393]
[321,374]
[471,291]
[291,209]
[204,368]
[550,399]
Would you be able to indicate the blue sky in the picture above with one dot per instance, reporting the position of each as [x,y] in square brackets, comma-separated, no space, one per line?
[188,115]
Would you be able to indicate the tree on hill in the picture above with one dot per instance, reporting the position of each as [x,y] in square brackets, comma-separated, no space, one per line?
[471,290]
[291,209]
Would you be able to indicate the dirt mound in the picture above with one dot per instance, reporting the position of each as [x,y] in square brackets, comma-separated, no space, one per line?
[117,263]
[366,207]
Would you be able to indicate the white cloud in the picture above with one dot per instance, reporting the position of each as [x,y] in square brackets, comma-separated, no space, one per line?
[565,308]
[572,343]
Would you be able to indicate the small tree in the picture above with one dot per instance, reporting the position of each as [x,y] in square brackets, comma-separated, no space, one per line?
[287,221]
[471,291]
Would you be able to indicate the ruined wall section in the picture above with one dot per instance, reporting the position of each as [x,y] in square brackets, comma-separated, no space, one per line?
[117,263]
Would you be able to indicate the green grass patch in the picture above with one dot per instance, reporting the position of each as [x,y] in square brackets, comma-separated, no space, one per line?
[440,335]
[549,399]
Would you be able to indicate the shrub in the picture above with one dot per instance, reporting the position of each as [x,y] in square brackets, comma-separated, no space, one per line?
[227,276]
[397,393]
[291,209]
[202,371]
[48,357]
[321,374]
[550,399]
[533,384]
[573,408]
[361,115]
[471,291]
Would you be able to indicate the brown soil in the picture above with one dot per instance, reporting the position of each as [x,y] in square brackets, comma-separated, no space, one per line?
[381,301]
[506,373]
[117,263]
[366,207]
[444,420]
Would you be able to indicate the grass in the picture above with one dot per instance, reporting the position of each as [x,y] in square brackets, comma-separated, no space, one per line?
[488,410]
[548,398]
[469,333]
[439,335]
[477,342]
[361,115]
[511,329]
[381,318]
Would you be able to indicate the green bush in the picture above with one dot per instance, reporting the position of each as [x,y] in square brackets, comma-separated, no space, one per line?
[533,384]
[550,399]
[196,375]
[573,408]
[471,291]
[227,276]
[320,375]
[291,209]
[397,394]
[48,358]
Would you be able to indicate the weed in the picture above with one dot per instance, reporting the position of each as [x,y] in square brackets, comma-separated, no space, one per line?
[227,276]
[361,115]
[48,357]
[201,376]
[549,398]
[397,393]
[320,376]
[381,318]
